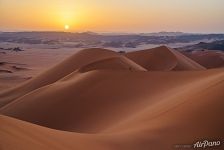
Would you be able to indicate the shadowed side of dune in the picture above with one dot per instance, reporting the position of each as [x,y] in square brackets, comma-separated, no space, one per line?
[114,63]
[163,59]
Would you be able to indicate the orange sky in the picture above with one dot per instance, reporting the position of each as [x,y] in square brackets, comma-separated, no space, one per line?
[205,16]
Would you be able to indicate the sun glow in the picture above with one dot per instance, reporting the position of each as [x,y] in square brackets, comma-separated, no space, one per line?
[112,16]
[66,27]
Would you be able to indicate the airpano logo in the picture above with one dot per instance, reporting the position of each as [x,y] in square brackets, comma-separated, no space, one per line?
[206,144]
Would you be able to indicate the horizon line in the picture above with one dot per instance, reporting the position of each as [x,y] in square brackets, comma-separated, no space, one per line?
[108,32]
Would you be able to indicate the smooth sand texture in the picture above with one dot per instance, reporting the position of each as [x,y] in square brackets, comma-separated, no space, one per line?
[163,59]
[208,58]
[34,60]
[80,60]
[99,99]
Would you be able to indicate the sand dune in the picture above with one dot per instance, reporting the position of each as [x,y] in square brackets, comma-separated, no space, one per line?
[163,59]
[208,58]
[81,60]
[183,115]
[103,100]
[79,95]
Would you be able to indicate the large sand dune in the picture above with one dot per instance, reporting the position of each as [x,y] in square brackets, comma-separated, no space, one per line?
[83,61]
[100,99]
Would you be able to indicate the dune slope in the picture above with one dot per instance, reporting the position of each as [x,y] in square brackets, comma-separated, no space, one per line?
[207,58]
[85,59]
[163,59]
[185,115]
[116,95]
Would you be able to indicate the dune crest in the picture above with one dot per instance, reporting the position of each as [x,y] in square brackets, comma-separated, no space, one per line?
[114,63]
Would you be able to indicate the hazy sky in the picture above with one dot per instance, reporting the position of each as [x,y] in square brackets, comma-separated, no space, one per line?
[205,16]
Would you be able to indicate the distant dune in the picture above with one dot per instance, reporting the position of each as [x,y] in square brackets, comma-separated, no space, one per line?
[208,58]
[163,59]
[99,99]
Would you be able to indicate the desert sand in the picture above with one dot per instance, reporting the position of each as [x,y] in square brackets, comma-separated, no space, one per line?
[209,59]
[100,99]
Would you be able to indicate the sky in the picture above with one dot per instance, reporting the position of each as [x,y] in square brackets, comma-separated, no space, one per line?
[127,16]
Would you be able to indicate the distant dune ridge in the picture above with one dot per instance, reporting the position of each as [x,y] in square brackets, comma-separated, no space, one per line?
[163,59]
[100,99]
[209,59]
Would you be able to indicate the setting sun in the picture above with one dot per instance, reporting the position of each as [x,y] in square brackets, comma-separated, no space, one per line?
[66,27]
